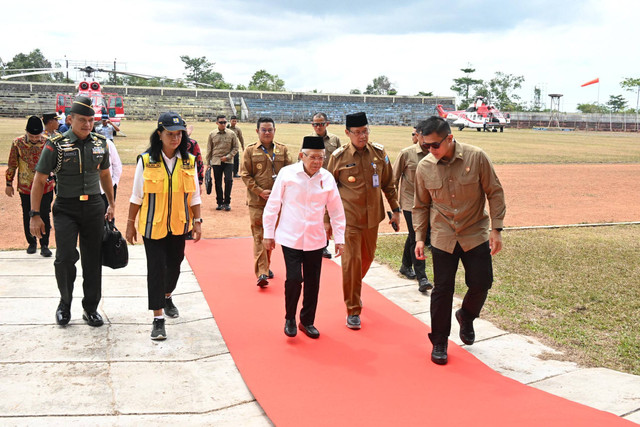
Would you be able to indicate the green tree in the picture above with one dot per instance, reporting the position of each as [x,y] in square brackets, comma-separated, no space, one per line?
[355,92]
[632,84]
[592,108]
[381,85]
[499,91]
[421,93]
[241,87]
[264,81]
[617,103]
[33,59]
[537,99]
[463,85]
[200,70]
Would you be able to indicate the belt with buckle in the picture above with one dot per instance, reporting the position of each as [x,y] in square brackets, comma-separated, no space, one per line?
[84,197]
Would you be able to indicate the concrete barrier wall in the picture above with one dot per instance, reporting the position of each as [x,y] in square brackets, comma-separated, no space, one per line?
[20,99]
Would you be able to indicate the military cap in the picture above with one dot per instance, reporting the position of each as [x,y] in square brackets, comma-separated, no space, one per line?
[82,105]
[356,120]
[313,143]
[47,117]
[171,121]
[34,125]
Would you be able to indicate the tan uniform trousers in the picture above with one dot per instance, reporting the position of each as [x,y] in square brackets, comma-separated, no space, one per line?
[359,250]
[261,256]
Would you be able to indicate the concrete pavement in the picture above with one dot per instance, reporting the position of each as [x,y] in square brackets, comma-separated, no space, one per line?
[115,375]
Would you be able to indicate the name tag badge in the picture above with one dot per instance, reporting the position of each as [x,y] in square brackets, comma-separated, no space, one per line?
[376,181]
[97,150]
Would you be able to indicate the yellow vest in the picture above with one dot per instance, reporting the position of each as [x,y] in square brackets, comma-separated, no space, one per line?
[165,206]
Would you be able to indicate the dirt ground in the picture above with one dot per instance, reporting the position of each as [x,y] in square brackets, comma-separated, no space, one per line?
[538,194]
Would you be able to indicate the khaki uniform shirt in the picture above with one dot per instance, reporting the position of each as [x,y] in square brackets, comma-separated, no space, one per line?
[353,170]
[404,173]
[221,144]
[238,132]
[331,144]
[452,195]
[258,169]
[82,162]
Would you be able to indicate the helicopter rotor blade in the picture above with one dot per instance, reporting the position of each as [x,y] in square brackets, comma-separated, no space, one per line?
[33,73]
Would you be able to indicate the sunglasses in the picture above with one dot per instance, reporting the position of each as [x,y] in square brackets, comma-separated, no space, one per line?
[222,122]
[316,125]
[434,145]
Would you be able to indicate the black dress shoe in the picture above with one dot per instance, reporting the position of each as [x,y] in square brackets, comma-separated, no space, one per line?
[93,318]
[407,272]
[467,334]
[290,328]
[326,253]
[310,331]
[439,354]
[63,314]
[424,284]
[263,282]
[270,276]
[45,251]
[32,248]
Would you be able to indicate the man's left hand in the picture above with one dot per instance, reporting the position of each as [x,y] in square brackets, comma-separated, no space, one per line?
[495,241]
[339,249]
[111,213]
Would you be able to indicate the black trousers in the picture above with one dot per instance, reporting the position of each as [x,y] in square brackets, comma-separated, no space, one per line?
[73,219]
[478,274]
[302,266]
[409,254]
[164,257]
[236,163]
[45,209]
[218,171]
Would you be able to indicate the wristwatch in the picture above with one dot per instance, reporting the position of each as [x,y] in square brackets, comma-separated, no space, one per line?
[197,220]
[396,210]
[33,213]
[498,229]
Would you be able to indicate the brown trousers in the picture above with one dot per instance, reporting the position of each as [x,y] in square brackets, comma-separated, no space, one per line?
[359,250]
[261,256]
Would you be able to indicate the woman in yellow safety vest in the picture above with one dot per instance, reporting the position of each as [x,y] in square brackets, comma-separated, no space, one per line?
[166,194]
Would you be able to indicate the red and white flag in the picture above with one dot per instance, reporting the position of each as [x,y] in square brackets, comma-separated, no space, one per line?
[591,82]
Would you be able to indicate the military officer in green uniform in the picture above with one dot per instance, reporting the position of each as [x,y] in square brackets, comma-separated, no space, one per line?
[80,159]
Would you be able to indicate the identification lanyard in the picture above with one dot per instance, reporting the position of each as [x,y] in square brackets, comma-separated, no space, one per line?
[376,179]
[272,158]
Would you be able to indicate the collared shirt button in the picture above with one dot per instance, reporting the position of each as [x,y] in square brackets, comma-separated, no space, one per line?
[453,196]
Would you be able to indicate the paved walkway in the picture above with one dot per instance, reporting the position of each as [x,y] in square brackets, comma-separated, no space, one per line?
[115,375]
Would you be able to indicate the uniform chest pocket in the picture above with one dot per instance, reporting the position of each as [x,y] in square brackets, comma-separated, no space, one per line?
[70,162]
[435,188]
[350,177]
[153,181]
[469,185]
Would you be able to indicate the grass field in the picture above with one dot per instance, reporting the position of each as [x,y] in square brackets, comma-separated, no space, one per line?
[512,146]
[577,290]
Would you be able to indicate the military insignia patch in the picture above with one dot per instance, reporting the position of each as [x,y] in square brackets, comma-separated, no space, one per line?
[259,166]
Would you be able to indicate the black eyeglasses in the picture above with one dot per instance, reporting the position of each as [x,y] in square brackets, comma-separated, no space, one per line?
[315,125]
[434,145]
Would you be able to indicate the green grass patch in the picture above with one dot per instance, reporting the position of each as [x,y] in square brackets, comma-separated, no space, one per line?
[576,289]
[512,146]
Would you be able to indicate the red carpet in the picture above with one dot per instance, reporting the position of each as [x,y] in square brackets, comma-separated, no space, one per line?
[379,375]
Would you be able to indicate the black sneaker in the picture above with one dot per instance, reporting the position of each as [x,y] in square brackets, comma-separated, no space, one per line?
[32,248]
[45,251]
[170,309]
[270,276]
[407,272]
[227,208]
[353,322]
[220,207]
[467,333]
[439,354]
[424,284]
[262,281]
[158,333]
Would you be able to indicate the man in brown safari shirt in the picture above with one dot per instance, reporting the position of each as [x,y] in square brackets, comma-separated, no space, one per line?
[453,182]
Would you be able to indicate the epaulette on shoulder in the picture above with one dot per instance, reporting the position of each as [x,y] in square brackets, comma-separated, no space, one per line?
[377,146]
[252,144]
[338,151]
[57,138]
[99,136]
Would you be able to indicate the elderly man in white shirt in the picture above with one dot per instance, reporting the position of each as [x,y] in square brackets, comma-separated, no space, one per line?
[301,194]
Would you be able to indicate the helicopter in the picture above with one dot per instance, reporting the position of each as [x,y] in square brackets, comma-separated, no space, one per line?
[478,115]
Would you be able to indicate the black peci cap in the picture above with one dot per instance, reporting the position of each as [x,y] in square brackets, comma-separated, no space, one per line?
[356,120]
[171,121]
[34,125]
[313,143]
[82,105]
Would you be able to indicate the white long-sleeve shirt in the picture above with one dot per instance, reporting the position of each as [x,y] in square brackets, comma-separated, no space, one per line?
[301,201]
[137,193]
[116,164]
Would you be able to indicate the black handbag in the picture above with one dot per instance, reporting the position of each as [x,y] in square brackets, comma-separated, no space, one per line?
[114,247]
[207,181]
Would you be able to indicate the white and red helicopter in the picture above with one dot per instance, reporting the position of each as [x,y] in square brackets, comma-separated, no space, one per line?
[478,115]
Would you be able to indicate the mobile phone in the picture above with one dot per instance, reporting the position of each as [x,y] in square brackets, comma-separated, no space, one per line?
[393,224]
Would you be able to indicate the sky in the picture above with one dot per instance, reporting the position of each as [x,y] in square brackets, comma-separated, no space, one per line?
[335,46]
